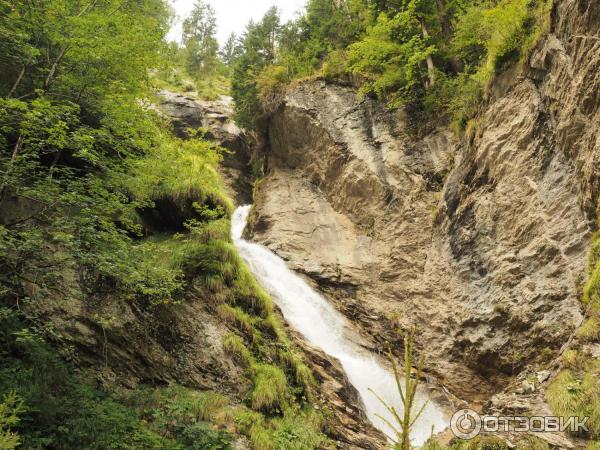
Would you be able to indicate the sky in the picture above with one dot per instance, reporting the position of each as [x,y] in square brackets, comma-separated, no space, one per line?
[233,15]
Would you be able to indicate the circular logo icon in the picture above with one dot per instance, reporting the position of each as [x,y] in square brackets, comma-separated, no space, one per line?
[465,424]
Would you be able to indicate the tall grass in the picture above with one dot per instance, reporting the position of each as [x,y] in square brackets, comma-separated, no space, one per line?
[576,389]
[179,170]
[270,388]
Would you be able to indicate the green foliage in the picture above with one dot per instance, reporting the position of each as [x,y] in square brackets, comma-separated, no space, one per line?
[532,442]
[335,65]
[199,39]
[182,414]
[591,291]
[403,422]
[75,49]
[271,84]
[180,170]
[296,429]
[237,319]
[302,375]
[434,58]
[10,409]
[393,67]
[481,443]
[236,347]
[492,35]
[576,393]
[98,197]
[56,410]
[257,51]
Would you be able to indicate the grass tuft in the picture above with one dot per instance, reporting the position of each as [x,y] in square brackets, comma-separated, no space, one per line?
[238,319]
[301,374]
[270,388]
[234,345]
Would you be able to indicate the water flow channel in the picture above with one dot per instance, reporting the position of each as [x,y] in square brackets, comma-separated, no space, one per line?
[324,327]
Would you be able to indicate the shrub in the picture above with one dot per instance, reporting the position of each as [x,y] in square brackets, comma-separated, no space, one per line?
[271,84]
[335,65]
[10,409]
[59,411]
[295,431]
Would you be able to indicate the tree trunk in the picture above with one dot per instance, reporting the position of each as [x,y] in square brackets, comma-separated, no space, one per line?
[55,65]
[455,63]
[430,65]
[15,153]
[17,82]
[445,23]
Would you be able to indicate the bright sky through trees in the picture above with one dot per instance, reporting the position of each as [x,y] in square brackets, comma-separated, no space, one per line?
[233,15]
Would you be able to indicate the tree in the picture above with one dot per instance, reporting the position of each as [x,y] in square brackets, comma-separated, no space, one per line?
[230,50]
[199,39]
[10,408]
[407,390]
[201,24]
[258,50]
[79,53]
[395,56]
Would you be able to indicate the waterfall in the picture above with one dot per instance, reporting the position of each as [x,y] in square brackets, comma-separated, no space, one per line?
[324,327]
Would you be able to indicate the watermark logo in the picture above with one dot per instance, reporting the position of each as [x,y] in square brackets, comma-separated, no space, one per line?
[466,424]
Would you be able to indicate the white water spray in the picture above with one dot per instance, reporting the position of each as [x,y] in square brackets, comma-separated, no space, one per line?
[324,327]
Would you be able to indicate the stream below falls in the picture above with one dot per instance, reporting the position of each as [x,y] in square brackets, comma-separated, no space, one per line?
[324,327]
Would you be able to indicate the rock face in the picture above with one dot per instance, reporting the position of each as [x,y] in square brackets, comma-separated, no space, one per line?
[480,244]
[121,344]
[215,119]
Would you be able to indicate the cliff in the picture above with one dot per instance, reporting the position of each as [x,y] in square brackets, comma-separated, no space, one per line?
[479,242]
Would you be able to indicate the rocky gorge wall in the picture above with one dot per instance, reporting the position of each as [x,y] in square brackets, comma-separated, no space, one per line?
[480,243]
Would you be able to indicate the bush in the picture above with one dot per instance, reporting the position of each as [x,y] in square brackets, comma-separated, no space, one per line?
[335,65]
[10,409]
[271,84]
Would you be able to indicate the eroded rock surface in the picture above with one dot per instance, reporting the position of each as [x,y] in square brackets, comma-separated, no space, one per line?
[479,244]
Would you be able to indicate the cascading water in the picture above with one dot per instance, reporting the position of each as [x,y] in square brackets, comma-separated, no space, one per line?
[324,327]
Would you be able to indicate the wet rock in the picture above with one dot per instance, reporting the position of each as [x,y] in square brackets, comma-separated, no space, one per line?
[348,424]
